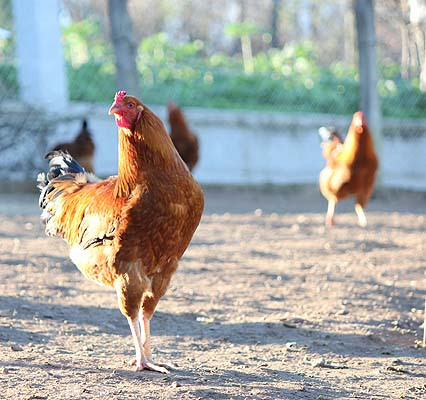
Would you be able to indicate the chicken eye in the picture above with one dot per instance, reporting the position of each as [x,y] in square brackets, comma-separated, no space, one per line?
[130,105]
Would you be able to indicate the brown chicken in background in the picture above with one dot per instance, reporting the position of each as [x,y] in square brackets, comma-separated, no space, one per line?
[82,148]
[351,167]
[185,141]
[127,231]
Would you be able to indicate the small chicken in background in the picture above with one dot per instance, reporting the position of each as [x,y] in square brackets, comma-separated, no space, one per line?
[185,141]
[82,148]
[351,167]
[128,231]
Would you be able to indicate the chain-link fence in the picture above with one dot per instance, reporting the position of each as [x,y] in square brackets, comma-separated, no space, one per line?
[283,55]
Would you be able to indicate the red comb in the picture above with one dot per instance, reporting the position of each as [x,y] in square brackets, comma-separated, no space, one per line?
[359,118]
[119,96]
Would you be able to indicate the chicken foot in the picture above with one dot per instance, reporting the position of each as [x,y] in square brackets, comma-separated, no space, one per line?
[143,360]
[362,219]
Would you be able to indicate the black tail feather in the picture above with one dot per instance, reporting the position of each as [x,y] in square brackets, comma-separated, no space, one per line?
[328,133]
[61,167]
[62,163]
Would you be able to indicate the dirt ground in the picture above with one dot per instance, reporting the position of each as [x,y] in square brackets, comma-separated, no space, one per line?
[266,304]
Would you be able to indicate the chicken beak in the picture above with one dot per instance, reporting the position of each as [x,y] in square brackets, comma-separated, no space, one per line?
[114,109]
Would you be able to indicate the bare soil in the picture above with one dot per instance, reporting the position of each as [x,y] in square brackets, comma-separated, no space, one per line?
[266,304]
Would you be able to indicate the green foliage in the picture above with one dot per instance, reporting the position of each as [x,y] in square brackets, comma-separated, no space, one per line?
[283,80]
[84,43]
[8,79]
[242,29]
[6,20]
[287,80]
[91,82]
[90,62]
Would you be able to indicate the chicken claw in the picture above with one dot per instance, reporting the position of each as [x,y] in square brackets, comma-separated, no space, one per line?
[151,367]
[142,361]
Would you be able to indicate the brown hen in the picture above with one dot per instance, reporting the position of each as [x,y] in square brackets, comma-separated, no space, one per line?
[82,148]
[185,141]
[128,231]
[351,167]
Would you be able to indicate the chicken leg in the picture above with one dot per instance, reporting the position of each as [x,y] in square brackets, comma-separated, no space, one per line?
[129,294]
[145,327]
[329,219]
[143,360]
[362,219]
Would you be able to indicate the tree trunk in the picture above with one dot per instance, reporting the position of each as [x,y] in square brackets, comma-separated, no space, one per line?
[243,10]
[366,34]
[405,40]
[405,51]
[242,6]
[275,42]
[348,34]
[304,19]
[124,47]
[417,19]
[247,54]
[421,51]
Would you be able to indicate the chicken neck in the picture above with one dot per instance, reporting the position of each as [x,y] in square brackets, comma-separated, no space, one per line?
[142,150]
[356,145]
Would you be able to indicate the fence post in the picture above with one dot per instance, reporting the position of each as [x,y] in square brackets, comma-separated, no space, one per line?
[41,69]
[370,103]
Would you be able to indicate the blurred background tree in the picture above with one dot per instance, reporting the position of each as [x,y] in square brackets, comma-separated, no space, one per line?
[244,31]
[124,46]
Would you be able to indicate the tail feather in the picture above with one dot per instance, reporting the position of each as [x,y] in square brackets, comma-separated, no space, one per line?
[328,134]
[62,163]
[62,167]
